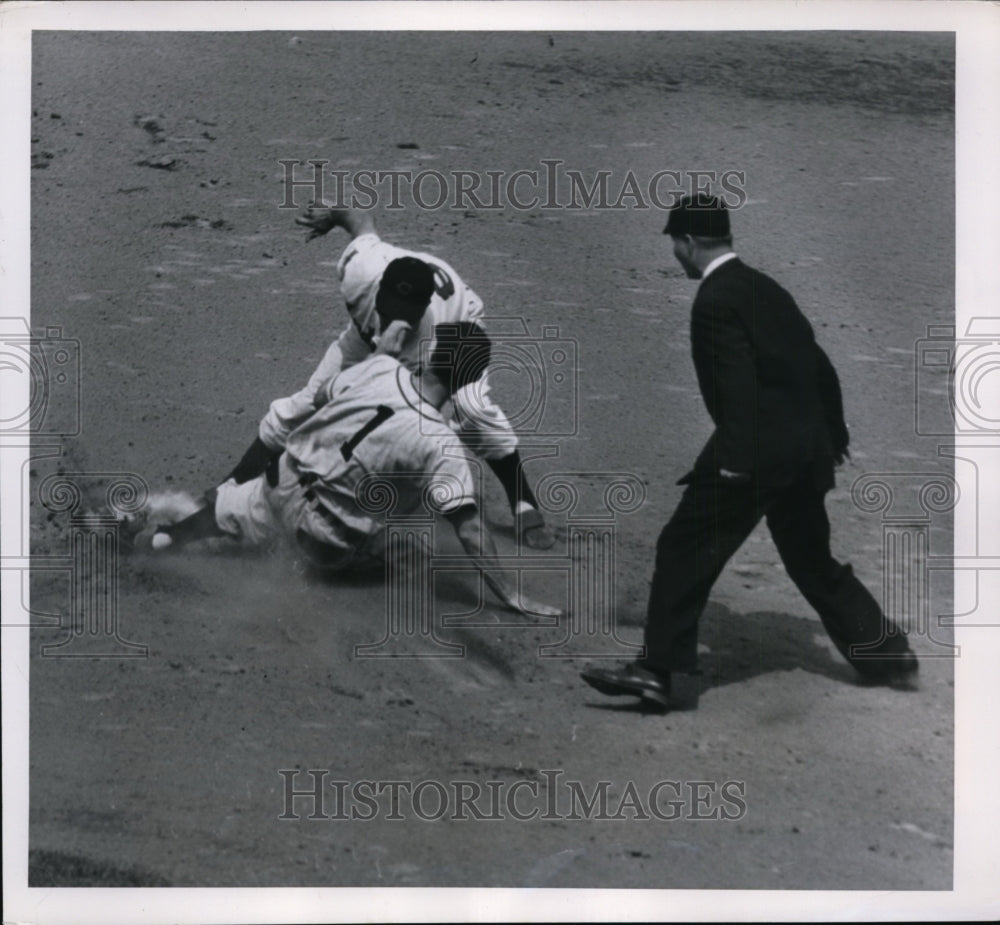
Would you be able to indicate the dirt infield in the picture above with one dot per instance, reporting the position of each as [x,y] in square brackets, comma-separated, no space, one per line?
[159,243]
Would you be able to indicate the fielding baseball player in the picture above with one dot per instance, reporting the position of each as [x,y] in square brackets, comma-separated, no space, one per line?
[378,428]
[379,282]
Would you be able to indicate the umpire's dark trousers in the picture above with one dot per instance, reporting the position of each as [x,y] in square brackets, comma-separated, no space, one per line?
[712,521]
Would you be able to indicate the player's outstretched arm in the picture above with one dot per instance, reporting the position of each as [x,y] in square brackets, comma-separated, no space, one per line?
[478,543]
[285,414]
[321,219]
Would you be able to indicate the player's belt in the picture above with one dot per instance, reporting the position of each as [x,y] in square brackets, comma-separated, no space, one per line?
[352,539]
[306,482]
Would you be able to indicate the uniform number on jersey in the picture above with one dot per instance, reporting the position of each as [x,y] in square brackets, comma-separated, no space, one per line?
[443,285]
[382,414]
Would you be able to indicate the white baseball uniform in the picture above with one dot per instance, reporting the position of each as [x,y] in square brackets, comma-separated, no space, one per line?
[373,441]
[480,423]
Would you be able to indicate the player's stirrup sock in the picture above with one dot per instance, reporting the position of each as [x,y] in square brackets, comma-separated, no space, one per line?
[511,474]
[197,526]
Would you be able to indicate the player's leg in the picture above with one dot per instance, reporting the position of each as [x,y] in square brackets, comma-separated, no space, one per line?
[484,428]
[241,512]
[853,618]
[165,514]
[509,469]
[200,525]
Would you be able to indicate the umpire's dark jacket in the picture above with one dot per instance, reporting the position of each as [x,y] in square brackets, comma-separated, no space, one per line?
[771,390]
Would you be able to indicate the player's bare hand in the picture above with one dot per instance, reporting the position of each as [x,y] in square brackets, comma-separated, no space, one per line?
[321,219]
[391,340]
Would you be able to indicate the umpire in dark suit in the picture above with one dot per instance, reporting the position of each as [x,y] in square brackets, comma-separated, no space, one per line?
[776,403]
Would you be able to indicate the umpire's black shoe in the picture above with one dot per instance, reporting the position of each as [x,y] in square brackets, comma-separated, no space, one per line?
[898,670]
[633,679]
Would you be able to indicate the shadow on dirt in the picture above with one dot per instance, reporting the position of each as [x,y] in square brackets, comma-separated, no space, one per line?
[745,646]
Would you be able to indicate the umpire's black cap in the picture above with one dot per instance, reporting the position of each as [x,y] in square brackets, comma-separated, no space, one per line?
[405,290]
[701,215]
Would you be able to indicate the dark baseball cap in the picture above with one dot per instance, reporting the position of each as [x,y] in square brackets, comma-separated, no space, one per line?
[405,290]
[701,215]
